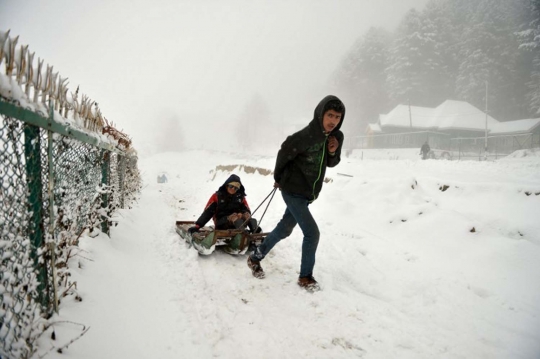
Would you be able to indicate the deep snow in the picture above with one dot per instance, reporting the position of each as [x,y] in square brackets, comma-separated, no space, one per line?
[402,274]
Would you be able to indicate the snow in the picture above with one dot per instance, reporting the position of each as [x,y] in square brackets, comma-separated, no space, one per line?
[403,275]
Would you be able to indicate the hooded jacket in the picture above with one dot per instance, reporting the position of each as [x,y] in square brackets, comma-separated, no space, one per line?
[302,160]
[223,204]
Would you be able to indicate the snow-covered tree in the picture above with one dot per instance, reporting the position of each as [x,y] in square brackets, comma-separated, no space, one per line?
[450,50]
[529,44]
[488,54]
[416,70]
[447,18]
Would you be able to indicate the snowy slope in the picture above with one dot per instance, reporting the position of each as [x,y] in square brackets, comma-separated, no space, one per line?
[402,274]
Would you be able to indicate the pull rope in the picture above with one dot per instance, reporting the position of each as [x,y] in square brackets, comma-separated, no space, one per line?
[272,193]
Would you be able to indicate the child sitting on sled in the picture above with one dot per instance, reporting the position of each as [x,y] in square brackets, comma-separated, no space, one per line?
[228,208]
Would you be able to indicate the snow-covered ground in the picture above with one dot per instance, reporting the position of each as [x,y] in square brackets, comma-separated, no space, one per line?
[417,259]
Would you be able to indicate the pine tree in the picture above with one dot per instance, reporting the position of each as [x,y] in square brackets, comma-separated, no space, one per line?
[449,51]
[416,70]
[448,23]
[488,55]
[529,39]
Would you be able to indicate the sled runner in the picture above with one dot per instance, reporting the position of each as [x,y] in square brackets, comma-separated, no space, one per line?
[205,241]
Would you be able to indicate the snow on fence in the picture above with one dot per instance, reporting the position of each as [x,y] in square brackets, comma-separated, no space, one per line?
[64,170]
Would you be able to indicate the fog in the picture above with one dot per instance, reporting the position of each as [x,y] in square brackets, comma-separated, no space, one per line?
[197,63]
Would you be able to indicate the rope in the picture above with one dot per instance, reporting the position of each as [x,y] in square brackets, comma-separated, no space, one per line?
[272,193]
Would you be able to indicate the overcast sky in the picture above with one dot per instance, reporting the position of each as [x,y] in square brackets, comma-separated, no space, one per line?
[199,60]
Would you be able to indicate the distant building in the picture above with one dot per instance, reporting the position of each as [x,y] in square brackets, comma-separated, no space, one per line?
[531,125]
[456,118]
[410,126]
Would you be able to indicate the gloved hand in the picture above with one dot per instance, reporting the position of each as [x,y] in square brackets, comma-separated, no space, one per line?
[191,230]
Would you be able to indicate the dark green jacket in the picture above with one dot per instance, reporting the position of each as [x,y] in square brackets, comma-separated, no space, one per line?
[302,160]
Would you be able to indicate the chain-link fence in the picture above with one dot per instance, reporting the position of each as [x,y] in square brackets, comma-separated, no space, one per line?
[64,170]
[399,140]
[442,146]
[53,187]
[497,146]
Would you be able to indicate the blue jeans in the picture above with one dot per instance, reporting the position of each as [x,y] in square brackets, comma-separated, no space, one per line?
[297,212]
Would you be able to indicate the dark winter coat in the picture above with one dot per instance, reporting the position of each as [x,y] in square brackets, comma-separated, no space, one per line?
[222,204]
[302,160]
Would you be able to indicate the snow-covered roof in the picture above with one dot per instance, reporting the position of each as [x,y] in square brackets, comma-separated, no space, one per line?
[374,128]
[517,126]
[462,115]
[448,115]
[403,116]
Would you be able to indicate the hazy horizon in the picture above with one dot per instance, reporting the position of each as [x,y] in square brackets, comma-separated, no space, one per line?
[200,62]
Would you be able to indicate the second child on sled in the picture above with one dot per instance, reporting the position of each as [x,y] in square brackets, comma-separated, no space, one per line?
[228,208]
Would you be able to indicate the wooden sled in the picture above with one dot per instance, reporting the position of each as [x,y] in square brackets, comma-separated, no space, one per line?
[232,241]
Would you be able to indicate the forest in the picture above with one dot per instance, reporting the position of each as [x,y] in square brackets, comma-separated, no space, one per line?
[485,52]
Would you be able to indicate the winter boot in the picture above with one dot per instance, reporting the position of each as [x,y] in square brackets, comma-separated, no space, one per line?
[309,283]
[256,268]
